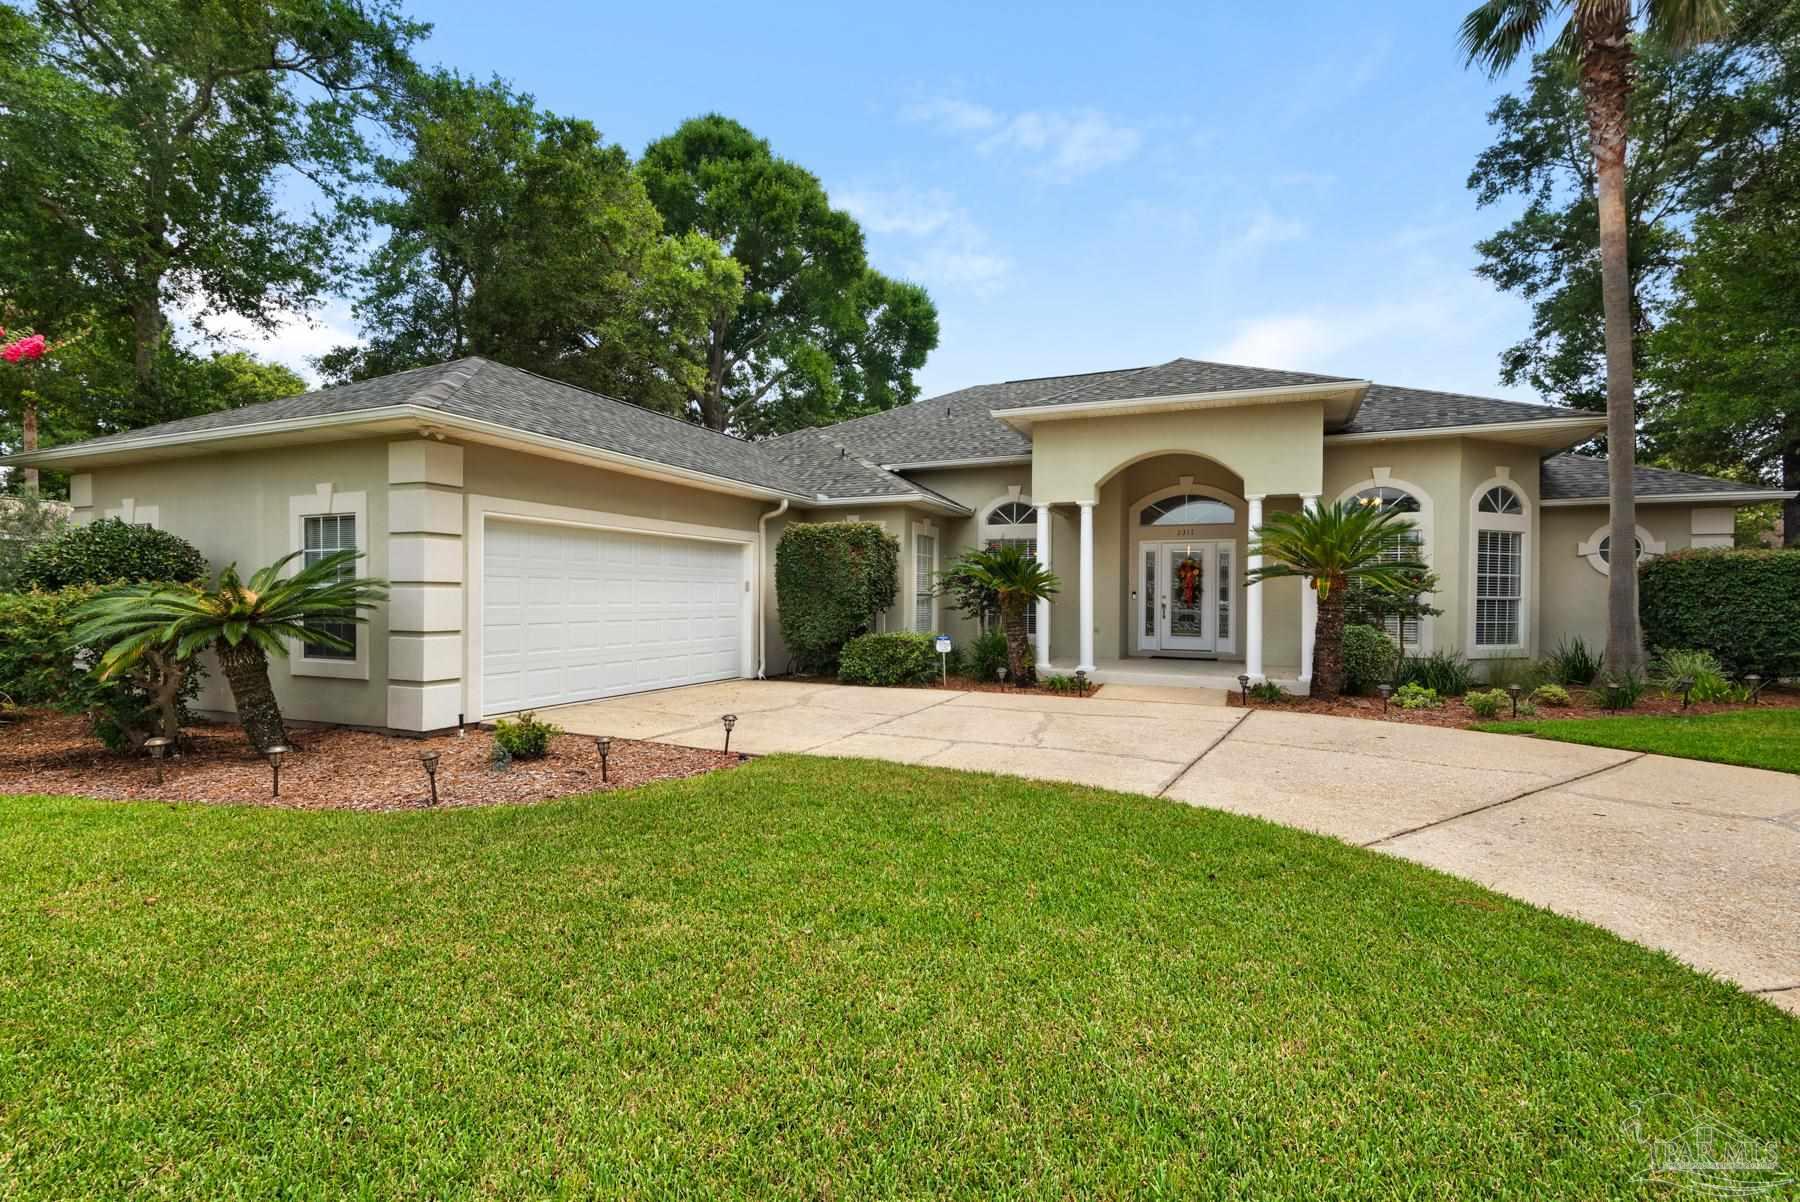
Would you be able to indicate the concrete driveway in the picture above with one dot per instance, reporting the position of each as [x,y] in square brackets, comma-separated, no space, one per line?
[1701,860]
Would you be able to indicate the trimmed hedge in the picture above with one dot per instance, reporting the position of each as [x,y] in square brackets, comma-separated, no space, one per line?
[1369,657]
[831,580]
[889,659]
[110,551]
[1743,605]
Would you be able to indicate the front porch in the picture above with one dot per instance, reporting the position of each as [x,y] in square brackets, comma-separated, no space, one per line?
[1182,673]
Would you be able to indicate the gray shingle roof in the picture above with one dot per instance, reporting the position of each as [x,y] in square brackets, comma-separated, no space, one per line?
[1388,407]
[1583,477]
[1177,377]
[493,392]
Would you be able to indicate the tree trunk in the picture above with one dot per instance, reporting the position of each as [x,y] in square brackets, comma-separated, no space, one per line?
[1790,481]
[29,424]
[1328,646]
[1020,664]
[247,671]
[1605,89]
[146,337]
[165,689]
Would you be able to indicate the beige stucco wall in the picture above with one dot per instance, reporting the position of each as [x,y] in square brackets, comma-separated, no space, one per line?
[236,508]
[1575,592]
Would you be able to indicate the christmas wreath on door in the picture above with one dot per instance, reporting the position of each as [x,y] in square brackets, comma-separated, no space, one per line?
[1189,576]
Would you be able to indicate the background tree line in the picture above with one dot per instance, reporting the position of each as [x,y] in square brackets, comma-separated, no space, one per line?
[1713,215]
[168,165]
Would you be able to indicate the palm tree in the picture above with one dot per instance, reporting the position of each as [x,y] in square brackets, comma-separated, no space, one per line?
[1017,581]
[1328,547]
[243,622]
[1599,37]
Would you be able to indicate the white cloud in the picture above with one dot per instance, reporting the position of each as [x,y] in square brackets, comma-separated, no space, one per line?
[939,244]
[1264,229]
[1065,143]
[297,338]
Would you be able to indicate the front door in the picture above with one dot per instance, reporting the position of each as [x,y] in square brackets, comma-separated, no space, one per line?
[1184,598]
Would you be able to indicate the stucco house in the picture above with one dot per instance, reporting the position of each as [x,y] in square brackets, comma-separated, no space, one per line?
[549,545]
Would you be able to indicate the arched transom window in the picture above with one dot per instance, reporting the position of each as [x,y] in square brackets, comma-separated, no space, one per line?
[1187,509]
[1501,575]
[1502,500]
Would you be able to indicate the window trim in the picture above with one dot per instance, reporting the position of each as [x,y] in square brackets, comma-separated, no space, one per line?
[326,501]
[1589,548]
[928,530]
[1424,526]
[1520,523]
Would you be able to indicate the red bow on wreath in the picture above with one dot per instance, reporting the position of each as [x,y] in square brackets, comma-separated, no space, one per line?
[1189,571]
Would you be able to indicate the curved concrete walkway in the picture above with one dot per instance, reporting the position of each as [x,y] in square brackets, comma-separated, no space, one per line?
[1700,860]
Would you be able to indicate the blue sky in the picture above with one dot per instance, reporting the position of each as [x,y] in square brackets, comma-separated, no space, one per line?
[1083,187]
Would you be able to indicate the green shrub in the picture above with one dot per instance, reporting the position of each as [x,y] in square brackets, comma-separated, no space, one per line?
[1621,692]
[1267,690]
[1414,696]
[1369,656]
[1486,703]
[1445,673]
[1702,668]
[889,659]
[1519,671]
[985,655]
[1056,682]
[40,665]
[110,552]
[25,521]
[1550,694]
[1743,605]
[831,581]
[1574,662]
[524,738]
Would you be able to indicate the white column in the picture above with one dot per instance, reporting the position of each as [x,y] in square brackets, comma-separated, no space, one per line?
[1087,587]
[1043,605]
[1253,607]
[1309,607]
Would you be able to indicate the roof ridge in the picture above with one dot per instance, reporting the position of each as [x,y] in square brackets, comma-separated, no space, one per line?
[1293,371]
[455,374]
[1476,396]
[668,417]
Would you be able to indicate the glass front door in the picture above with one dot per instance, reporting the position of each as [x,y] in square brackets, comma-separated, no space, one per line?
[1183,602]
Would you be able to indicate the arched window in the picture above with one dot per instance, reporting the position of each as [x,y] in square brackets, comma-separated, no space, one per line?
[1502,570]
[1407,544]
[1012,522]
[1187,509]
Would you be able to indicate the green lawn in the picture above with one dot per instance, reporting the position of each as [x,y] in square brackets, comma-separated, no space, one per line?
[1756,738]
[825,979]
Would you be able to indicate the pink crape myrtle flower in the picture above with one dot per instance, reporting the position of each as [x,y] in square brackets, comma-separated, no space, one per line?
[31,347]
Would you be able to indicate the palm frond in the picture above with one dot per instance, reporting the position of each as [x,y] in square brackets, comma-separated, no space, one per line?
[1332,544]
[1499,31]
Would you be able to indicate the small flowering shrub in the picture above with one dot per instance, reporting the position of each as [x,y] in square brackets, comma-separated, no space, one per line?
[1486,703]
[1415,696]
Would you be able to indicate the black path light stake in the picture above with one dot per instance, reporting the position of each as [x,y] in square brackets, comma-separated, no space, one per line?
[1081,685]
[1686,685]
[1755,683]
[1611,689]
[1244,684]
[603,744]
[1002,672]
[1386,691]
[1513,691]
[275,753]
[430,760]
[158,747]
[728,721]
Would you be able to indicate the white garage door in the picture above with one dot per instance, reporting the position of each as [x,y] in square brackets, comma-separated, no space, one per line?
[570,614]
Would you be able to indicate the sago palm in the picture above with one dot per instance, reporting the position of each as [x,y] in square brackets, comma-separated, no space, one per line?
[1598,37]
[1019,581]
[244,622]
[1328,547]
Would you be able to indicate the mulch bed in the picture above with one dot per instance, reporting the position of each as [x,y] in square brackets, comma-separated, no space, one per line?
[330,768]
[968,684]
[1455,713]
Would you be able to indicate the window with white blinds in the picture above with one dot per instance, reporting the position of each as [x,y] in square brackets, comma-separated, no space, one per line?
[1499,587]
[1012,523]
[325,535]
[1405,545]
[924,578]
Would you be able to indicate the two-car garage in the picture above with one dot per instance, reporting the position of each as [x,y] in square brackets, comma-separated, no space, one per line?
[572,612]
